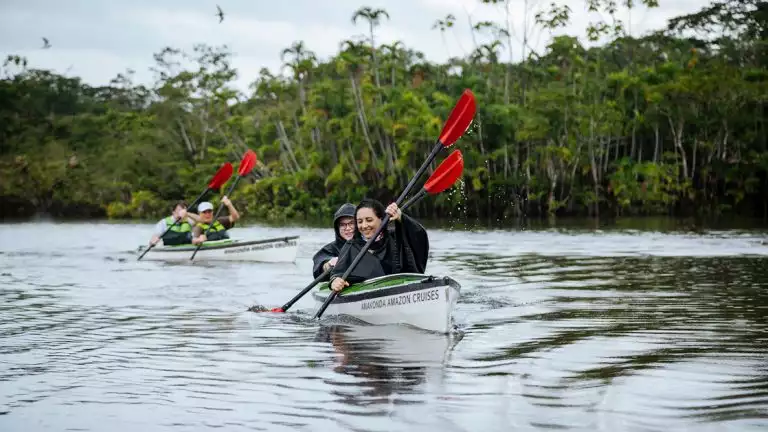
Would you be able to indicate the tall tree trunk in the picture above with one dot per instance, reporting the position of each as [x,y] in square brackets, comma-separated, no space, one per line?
[297,135]
[634,130]
[693,159]
[334,152]
[677,135]
[287,144]
[352,162]
[191,148]
[361,117]
[375,61]
[725,140]
[593,164]
[508,71]
[524,78]
[527,176]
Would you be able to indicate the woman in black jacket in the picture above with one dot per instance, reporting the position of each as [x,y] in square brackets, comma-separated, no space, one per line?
[343,229]
[403,247]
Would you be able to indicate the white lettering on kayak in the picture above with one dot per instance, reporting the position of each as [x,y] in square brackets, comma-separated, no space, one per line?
[417,297]
[261,247]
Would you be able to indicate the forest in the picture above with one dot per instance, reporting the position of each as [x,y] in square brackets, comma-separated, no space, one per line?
[671,122]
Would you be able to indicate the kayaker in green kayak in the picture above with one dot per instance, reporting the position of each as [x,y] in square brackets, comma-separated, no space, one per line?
[220,225]
[181,233]
[344,230]
[403,247]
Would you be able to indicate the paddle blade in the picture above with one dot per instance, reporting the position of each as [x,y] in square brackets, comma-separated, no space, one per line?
[221,176]
[446,174]
[459,120]
[246,165]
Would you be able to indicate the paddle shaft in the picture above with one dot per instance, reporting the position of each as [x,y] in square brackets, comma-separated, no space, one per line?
[414,199]
[317,280]
[216,216]
[194,203]
[435,150]
[384,222]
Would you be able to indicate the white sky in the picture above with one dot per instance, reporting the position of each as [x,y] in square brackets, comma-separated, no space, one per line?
[97,39]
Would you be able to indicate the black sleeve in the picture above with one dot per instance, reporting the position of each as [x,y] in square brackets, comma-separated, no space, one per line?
[415,244]
[368,267]
[327,252]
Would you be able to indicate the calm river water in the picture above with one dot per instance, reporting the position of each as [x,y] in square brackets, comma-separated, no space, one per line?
[555,329]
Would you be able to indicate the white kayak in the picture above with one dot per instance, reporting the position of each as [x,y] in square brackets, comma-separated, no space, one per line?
[280,249]
[405,298]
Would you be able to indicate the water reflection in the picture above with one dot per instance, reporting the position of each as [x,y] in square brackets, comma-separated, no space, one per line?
[579,331]
[626,335]
[390,361]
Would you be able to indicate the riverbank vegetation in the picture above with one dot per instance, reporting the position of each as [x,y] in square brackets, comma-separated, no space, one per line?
[668,123]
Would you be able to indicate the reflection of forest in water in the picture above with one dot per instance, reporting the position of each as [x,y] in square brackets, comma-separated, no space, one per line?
[658,289]
[390,360]
[621,320]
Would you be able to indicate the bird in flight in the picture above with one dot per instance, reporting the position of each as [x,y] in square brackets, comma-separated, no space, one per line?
[46,45]
[220,14]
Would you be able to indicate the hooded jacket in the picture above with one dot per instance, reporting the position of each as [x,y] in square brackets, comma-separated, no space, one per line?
[332,249]
[403,248]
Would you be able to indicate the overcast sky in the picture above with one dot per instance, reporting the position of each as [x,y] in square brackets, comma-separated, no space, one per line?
[97,39]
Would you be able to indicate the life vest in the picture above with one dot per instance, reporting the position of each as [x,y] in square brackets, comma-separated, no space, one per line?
[181,233]
[218,232]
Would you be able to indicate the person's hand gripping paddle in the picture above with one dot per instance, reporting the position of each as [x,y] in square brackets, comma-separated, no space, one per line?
[246,165]
[218,180]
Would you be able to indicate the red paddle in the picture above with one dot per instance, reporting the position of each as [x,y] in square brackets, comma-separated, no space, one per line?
[444,176]
[246,165]
[458,123]
[218,180]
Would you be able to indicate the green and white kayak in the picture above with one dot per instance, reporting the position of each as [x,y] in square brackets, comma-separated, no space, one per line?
[280,249]
[405,298]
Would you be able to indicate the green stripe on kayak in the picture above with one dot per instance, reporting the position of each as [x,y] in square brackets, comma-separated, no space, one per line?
[394,280]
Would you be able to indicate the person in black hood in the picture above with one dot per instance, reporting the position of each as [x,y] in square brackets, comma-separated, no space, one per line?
[344,229]
[402,247]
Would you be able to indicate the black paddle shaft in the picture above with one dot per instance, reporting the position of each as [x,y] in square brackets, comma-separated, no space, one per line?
[216,216]
[317,280]
[314,282]
[414,199]
[383,225]
[384,222]
[435,150]
[194,203]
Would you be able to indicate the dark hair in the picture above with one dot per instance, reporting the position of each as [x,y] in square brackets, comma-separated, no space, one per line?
[376,206]
[182,203]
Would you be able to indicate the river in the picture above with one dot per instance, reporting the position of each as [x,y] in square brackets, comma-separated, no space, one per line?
[572,329]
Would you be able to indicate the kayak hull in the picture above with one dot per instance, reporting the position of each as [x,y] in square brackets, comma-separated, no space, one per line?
[279,249]
[413,299]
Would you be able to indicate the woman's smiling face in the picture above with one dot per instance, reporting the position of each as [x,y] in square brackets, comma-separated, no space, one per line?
[347,227]
[367,222]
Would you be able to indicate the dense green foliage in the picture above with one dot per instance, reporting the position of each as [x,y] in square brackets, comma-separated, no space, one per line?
[668,123]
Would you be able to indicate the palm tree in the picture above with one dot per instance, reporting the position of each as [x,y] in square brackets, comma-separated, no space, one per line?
[301,65]
[374,20]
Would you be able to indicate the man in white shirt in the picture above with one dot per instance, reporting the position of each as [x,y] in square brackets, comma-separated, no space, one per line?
[180,233]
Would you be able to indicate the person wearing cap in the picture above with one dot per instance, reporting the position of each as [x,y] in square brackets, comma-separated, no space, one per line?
[344,230]
[219,227]
[179,233]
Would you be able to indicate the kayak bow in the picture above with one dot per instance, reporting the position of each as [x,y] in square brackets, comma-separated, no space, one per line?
[405,298]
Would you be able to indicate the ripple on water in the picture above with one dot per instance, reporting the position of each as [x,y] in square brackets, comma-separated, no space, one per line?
[556,330]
